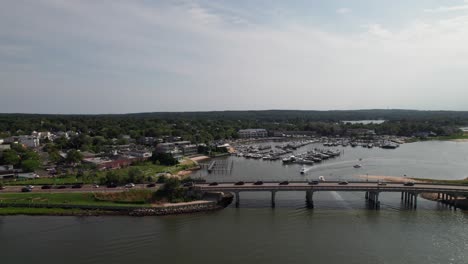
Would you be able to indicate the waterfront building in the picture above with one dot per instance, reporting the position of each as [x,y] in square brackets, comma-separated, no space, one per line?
[253,133]
[189,150]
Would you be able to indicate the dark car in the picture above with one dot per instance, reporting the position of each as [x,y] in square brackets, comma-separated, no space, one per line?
[213,184]
[151,185]
[77,186]
[62,187]
[2,187]
[258,183]
[343,183]
[284,183]
[313,182]
[408,184]
[111,185]
[26,189]
[188,184]
[239,183]
[46,187]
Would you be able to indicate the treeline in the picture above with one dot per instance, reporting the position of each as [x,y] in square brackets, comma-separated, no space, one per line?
[101,130]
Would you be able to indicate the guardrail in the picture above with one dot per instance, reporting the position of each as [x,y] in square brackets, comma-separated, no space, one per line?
[332,188]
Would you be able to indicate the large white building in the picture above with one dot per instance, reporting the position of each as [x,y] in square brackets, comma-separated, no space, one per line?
[253,133]
[29,141]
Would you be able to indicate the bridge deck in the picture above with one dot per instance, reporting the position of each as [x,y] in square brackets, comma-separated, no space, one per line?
[335,186]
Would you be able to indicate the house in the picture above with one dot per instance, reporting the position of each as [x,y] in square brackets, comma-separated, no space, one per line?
[29,141]
[252,133]
[3,148]
[7,172]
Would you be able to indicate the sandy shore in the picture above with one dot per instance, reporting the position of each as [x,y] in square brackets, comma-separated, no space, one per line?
[460,140]
[398,179]
[198,202]
[200,158]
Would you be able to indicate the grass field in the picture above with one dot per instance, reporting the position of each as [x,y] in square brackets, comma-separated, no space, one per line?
[72,199]
[49,211]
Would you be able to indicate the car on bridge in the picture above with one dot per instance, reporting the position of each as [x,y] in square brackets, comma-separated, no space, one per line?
[213,184]
[284,183]
[46,187]
[258,183]
[26,189]
[111,185]
[77,186]
[381,183]
[151,185]
[62,187]
[313,182]
[343,183]
[239,183]
[408,184]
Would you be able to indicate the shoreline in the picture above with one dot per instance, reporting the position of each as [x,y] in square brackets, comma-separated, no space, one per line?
[220,201]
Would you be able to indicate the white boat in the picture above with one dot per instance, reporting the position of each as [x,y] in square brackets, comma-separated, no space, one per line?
[303,170]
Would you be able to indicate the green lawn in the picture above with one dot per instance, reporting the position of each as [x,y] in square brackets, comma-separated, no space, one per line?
[48,211]
[61,198]
[45,181]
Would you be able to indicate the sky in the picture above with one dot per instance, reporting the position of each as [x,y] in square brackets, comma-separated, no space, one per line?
[127,56]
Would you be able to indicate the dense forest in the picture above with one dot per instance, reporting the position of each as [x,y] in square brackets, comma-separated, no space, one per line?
[208,126]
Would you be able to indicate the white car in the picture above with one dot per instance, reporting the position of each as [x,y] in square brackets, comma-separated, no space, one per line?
[30,187]
[129,185]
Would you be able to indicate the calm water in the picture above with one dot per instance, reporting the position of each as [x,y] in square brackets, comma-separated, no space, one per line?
[339,230]
[434,159]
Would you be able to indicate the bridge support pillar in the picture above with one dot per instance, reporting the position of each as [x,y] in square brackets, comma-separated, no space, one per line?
[415,200]
[309,199]
[438,196]
[237,194]
[406,198]
[402,194]
[455,203]
[367,196]
[377,202]
[273,202]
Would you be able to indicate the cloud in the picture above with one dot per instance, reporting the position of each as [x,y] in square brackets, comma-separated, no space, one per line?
[343,10]
[443,9]
[130,56]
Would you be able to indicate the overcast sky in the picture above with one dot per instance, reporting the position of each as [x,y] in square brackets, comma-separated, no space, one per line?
[121,56]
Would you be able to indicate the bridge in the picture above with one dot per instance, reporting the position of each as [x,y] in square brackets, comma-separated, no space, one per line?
[409,194]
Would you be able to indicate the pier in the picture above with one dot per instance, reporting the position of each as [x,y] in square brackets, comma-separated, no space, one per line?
[447,194]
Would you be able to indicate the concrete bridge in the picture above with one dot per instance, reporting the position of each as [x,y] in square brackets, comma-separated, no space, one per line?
[409,194]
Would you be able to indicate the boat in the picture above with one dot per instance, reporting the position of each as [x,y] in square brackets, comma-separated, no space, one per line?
[303,170]
[357,166]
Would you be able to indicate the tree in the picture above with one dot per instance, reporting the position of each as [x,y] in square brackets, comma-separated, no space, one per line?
[164,159]
[11,157]
[136,175]
[74,156]
[112,177]
[30,165]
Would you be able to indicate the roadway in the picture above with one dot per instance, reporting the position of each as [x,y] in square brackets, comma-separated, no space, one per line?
[87,188]
[335,186]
